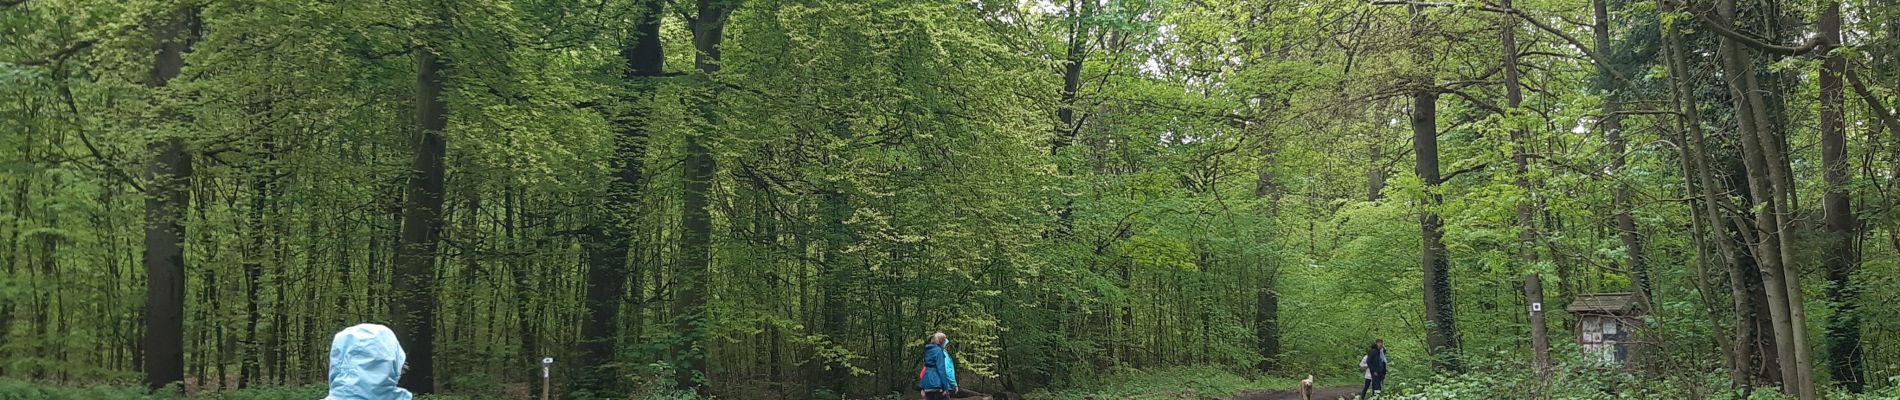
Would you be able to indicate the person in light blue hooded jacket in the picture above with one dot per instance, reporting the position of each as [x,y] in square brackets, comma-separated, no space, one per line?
[365,363]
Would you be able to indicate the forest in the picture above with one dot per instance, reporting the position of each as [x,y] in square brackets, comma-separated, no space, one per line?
[783,199]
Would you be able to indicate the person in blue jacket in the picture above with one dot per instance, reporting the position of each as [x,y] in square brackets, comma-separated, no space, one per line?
[365,363]
[938,380]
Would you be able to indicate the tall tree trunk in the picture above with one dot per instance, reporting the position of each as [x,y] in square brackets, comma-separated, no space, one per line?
[256,253]
[525,324]
[13,251]
[1772,131]
[1267,296]
[343,231]
[1520,146]
[1441,328]
[611,239]
[774,281]
[1701,184]
[689,303]
[1077,52]
[1526,218]
[280,307]
[168,175]
[253,272]
[217,326]
[414,306]
[1845,359]
[1765,163]
[1068,126]
[1610,88]
[834,272]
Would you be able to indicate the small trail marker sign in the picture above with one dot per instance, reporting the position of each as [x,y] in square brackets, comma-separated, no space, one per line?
[546,363]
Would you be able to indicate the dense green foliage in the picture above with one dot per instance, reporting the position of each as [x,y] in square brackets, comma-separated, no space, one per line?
[15,390]
[789,196]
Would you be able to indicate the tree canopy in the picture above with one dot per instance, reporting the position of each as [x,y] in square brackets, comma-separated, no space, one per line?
[784,198]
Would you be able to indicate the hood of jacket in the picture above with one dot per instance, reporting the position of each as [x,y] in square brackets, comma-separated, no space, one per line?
[365,364]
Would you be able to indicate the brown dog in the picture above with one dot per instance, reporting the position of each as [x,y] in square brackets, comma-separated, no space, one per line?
[1306,388]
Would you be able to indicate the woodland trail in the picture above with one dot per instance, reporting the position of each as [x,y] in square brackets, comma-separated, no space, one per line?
[1333,393]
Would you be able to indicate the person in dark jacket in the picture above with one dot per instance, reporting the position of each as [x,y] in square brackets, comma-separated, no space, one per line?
[1374,363]
[938,380]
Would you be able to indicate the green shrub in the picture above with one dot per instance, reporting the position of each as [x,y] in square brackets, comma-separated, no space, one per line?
[1168,383]
[18,390]
[271,393]
[1499,381]
[21,390]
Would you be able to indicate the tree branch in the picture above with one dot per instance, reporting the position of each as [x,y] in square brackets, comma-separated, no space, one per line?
[60,54]
[1455,174]
[69,50]
[1598,59]
[107,164]
[1722,29]
[1595,58]
[1880,110]
[1472,99]
[1600,117]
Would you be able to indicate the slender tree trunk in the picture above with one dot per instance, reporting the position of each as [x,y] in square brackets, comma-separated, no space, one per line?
[343,230]
[1441,326]
[217,325]
[54,314]
[689,303]
[1520,143]
[1375,173]
[1526,217]
[611,239]
[1699,182]
[1267,296]
[13,251]
[280,321]
[168,175]
[1772,135]
[253,273]
[834,273]
[255,253]
[1846,362]
[525,324]
[414,306]
[775,281]
[1612,124]
[1540,340]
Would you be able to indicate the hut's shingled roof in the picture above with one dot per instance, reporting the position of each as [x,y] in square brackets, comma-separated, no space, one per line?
[1603,303]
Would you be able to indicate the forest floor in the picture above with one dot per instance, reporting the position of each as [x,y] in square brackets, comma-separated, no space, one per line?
[1334,393]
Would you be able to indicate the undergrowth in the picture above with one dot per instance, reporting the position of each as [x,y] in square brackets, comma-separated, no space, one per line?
[1170,383]
[1600,383]
[22,390]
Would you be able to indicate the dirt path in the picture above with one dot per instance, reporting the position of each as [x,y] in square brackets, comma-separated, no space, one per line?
[1343,392]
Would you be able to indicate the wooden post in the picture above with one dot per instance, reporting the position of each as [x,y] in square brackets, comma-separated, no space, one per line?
[1540,344]
[546,362]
